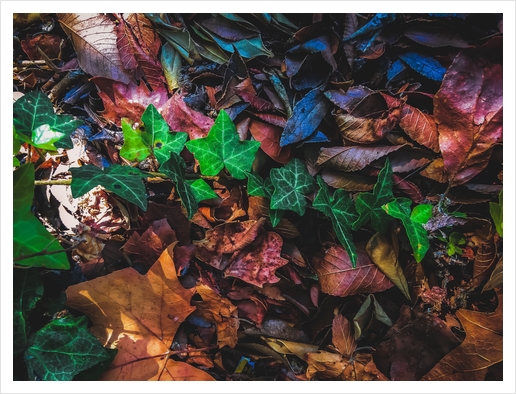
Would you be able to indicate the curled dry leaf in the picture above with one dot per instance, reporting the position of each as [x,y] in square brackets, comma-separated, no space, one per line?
[338,277]
[138,315]
[222,312]
[482,347]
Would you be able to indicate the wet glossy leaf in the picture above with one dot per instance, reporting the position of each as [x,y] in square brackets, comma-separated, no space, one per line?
[400,209]
[382,253]
[222,148]
[175,168]
[95,41]
[27,291]
[291,184]
[129,314]
[62,349]
[124,181]
[29,234]
[369,205]
[339,208]
[306,116]
[36,121]
[338,277]
[468,109]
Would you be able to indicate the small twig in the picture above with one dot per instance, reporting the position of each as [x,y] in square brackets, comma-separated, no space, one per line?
[49,182]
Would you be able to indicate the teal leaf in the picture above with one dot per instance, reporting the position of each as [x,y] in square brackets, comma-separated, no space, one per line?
[223,148]
[27,291]
[159,137]
[62,349]
[496,211]
[400,209]
[124,181]
[201,190]
[291,184]
[339,208]
[175,168]
[34,110]
[171,63]
[29,234]
[134,148]
[369,205]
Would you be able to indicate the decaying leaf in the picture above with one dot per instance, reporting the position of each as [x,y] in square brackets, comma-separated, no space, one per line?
[338,277]
[138,315]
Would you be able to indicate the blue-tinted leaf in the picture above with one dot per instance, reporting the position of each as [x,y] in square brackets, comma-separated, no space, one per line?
[396,68]
[377,22]
[424,65]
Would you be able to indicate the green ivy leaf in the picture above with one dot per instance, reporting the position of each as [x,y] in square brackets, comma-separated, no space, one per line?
[134,148]
[339,208]
[175,168]
[369,205]
[421,213]
[27,291]
[124,181]
[223,148]
[62,349]
[158,136]
[35,120]
[496,211]
[400,209]
[290,184]
[257,187]
[154,136]
[201,190]
[29,234]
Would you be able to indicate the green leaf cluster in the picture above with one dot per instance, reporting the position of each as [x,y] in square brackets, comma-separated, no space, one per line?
[37,124]
[152,137]
[29,234]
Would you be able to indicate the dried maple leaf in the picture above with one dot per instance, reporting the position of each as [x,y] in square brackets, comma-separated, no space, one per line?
[138,315]
[222,312]
[482,347]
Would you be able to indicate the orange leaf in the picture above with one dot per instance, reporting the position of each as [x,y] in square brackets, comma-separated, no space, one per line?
[482,347]
[342,335]
[138,315]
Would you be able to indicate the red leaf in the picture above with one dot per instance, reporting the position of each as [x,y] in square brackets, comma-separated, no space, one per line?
[257,263]
[50,44]
[469,113]
[181,117]
[338,277]
[276,120]
[269,136]
[127,101]
[246,91]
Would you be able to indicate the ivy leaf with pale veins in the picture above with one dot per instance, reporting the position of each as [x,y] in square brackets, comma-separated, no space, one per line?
[175,168]
[201,190]
[134,148]
[158,136]
[369,205]
[291,183]
[36,121]
[339,208]
[124,181]
[223,148]
[62,349]
[256,186]
[413,223]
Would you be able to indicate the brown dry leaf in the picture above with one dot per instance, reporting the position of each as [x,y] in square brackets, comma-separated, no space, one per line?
[259,207]
[352,158]
[220,311]
[94,40]
[225,239]
[147,247]
[363,368]
[435,171]
[496,279]
[138,315]
[269,136]
[366,131]
[338,277]
[382,253]
[281,346]
[324,365]
[485,259]
[342,335]
[348,182]
[482,347]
